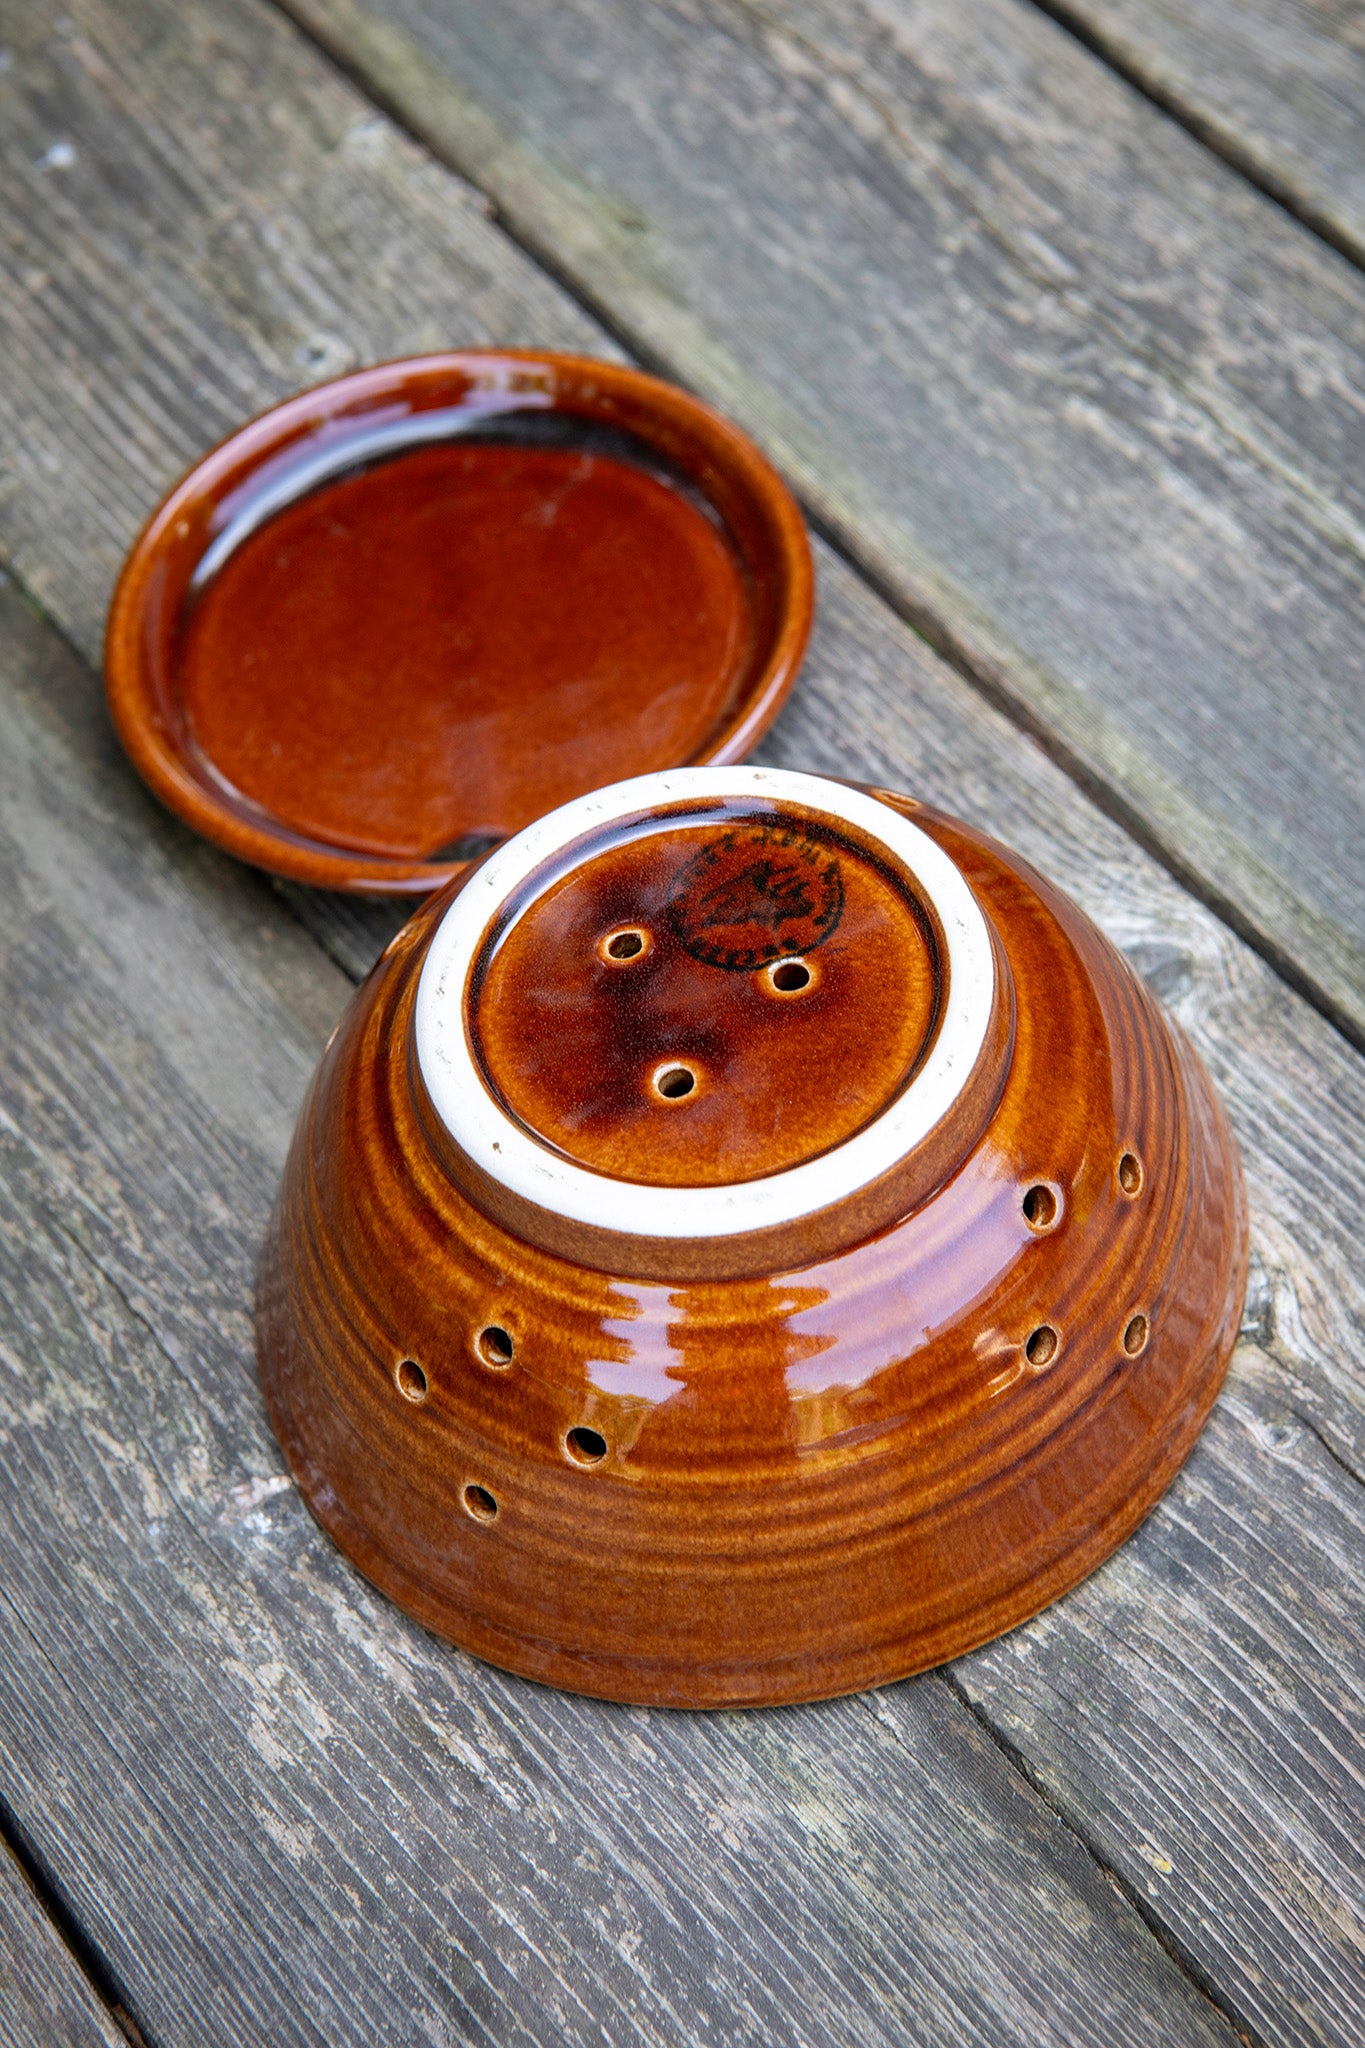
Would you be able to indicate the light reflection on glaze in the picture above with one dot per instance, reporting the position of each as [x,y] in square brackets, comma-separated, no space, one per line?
[331,452]
[643,1365]
[892,1299]
[930,1273]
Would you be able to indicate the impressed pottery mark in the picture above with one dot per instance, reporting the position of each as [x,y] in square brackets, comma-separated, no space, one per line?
[756,893]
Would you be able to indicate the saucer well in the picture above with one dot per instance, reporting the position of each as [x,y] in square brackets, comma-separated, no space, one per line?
[403,614]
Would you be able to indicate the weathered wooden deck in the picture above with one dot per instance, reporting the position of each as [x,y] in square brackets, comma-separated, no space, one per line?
[1074,398]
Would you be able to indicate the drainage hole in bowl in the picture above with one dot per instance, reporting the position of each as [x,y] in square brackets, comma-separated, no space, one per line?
[1041,1207]
[494,1346]
[412,1381]
[1135,1336]
[627,944]
[1041,1348]
[789,977]
[586,1446]
[1130,1174]
[480,1503]
[673,1083]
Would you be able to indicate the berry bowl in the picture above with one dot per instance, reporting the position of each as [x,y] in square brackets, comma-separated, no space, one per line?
[750,1239]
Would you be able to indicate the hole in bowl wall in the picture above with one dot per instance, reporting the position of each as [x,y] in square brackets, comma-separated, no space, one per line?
[1042,1206]
[627,944]
[674,1084]
[1130,1174]
[495,1347]
[1041,1347]
[1135,1336]
[412,1381]
[586,1446]
[479,1503]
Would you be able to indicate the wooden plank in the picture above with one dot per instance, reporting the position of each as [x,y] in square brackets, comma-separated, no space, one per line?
[153,1242]
[216,1631]
[178,258]
[1125,1721]
[46,2000]
[282,1812]
[1199,1701]
[1083,400]
[1276,86]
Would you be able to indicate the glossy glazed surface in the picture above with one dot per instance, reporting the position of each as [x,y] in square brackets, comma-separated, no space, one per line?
[405,613]
[469,635]
[790,1484]
[721,825]
[666,1011]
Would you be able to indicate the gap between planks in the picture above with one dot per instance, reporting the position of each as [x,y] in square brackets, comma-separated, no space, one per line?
[1221,141]
[140,1318]
[909,756]
[1161,1931]
[372,926]
[932,625]
[56,1960]
[1163,1934]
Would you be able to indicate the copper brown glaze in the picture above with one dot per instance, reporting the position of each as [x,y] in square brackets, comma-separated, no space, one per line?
[789,981]
[417,607]
[803,1481]
[580,1044]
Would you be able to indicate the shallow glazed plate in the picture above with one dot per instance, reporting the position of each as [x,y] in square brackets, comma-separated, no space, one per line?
[405,613]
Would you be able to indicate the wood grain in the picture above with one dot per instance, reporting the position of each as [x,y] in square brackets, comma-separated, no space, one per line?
[46,2001]
[275,1797]
[1082,399]
[1173,1706]
[280,1811]
[1275,86]
[198,254]
[139,1236]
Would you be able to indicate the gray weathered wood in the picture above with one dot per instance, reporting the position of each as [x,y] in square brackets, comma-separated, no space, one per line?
[1173,1706]
[180,255]
[354,930]
[1088,403]
[46,2000]
[1133,1729]
[280,1811]
[1200,1700]
[175,260]
[1276,86]
[283,1800]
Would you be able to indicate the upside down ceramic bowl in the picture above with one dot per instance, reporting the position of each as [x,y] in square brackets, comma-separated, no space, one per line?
[748,1241]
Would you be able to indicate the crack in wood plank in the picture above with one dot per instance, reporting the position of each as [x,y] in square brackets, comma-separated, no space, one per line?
[53,1990]
[172,1218]
[283,1811]
[1170,394]
[1277,90]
